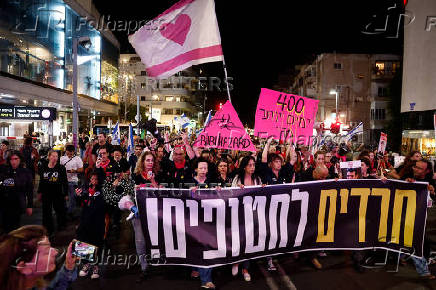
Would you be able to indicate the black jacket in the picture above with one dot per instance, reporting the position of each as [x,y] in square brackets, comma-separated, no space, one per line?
[53,180]
[16,187]
[92,224]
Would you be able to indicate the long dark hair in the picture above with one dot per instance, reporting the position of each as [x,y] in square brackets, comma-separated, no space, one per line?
[19,155]
[244,163]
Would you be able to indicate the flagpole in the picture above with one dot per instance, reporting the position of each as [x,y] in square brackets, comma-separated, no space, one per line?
[225,75]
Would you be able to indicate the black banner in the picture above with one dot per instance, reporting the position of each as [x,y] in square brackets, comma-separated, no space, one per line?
[212,228]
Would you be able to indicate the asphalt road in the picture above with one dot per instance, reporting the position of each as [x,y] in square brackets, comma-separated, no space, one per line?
[292,273]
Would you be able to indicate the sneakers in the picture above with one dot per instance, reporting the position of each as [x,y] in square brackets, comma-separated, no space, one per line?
[316,264]
[85,270]
[246,275]
[235,269]
[195,274]
[208,285]
[271,266]
[95,274]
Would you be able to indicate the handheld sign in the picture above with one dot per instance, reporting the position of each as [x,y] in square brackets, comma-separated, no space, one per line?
[225,131]
[285,116]
[382,143]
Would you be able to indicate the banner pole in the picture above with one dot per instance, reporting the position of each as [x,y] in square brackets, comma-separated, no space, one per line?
[227,83]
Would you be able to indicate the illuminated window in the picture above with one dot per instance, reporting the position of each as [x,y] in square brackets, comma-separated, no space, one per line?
[177,99]
[169,99]
[380,68]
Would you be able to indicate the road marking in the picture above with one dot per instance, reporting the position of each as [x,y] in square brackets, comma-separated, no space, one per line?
[268,278]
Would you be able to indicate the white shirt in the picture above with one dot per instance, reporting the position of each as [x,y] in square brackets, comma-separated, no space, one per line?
[72,164]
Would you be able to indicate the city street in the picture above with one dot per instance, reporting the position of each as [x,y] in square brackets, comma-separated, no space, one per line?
[337,273]
[273,145]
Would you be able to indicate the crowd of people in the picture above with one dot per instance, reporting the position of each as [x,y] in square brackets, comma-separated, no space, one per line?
[101,178]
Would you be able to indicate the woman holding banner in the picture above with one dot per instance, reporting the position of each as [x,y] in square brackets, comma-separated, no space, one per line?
[245,177]
[144,176]
[201,181]
[223,169]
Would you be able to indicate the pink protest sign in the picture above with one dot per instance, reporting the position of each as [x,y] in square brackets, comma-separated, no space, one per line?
[285,116]
[225,131]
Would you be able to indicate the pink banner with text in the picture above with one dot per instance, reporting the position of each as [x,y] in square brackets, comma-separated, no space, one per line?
[225,131]
[285,116]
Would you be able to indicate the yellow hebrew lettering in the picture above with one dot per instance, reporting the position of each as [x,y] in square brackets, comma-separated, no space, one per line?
[363,193]
[328,237]
[384,211]
[409,223]
[344,200]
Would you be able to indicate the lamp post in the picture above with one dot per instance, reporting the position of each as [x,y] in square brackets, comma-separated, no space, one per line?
[86,43]
[334,92]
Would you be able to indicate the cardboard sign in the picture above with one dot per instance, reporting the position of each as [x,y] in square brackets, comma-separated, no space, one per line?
[225,131]
[382,143]
[285,116]
[351,169]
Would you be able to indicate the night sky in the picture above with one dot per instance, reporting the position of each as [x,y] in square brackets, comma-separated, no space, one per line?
[264,39]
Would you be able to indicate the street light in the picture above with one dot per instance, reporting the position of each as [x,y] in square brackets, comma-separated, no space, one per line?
[86,43]
[334,92]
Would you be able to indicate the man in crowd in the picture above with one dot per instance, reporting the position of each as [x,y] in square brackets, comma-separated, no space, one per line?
[30,155]
[134,157]
[102,142]
[4,151]
[82,143]
[74,165]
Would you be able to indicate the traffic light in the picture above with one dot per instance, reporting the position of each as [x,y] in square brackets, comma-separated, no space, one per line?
[335,127]
[220,106]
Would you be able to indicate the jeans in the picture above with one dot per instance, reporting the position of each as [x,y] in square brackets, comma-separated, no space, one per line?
[205,274]
[71,196]
[139,243]
[421,266]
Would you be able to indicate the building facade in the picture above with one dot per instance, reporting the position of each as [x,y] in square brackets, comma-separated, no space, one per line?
[418,100]
[36,63]
[361,82]
[163,100]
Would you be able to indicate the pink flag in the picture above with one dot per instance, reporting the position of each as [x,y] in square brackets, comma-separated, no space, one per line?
[184,35]
[285,116]
[225,131]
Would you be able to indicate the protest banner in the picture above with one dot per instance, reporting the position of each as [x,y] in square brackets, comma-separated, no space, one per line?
[382,143]
[225,131]
[285,116]
[209,228]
